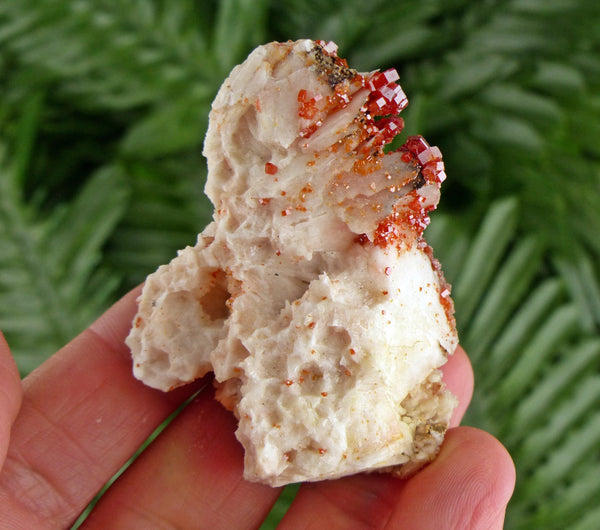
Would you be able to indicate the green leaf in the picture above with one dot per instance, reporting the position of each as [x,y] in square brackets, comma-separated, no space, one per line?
[579,443]
[579,400]
[537,108]
[281,506]
[527,319]
[541,7]
[559,79]
[167,210]
[174,127]
[239,27]
[507,132]
[575,363]
[582,281]
[504,296]
[52,283]
[450,240]
[497,230]
[466,78]
[561,324]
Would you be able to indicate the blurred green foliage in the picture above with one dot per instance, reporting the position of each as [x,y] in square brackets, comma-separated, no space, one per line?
[103,110]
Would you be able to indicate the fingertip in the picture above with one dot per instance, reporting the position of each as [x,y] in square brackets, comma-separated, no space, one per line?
[483,451]
[114,325]
[459,379]
[469,484]
[10,394]
[10,380]
[490,469]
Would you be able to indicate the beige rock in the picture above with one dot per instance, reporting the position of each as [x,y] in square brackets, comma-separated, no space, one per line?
[312,295]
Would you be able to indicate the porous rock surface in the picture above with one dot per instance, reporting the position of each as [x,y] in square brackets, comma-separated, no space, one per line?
[311,296]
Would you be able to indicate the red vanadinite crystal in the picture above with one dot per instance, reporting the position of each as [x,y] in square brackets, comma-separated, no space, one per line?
[381,79]
[386,100]
[406,156]
[389,100]
[271,169]
[388,231]
[307,132]
[415,145]
[387,97]
[366,165]
[362,239]
[308,106]
[430,154]
[339,99]
[390,127]
[417,217]
[428,157]
[434,171]
[329,47]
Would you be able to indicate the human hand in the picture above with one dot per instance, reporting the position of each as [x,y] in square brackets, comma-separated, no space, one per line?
[81,415]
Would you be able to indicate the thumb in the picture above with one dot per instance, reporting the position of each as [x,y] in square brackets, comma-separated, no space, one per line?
[467,486]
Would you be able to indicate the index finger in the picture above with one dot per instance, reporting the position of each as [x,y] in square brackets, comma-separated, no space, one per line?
[83,415]
[10,395]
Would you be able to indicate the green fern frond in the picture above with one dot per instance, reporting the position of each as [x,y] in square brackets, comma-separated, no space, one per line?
[129,54]
[529,316]
[483,257]
[569,370]
[77,42]
[582,280]
[52,282]
[562,324]
[164,191]
[512,282]
[536,366]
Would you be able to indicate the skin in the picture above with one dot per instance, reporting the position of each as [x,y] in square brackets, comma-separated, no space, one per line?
[72,423]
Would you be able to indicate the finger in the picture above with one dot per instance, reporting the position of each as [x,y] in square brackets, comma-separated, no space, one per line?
[185,461]
[10,395]
[190,477]
[467,486]
[458,377]
[83,415]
